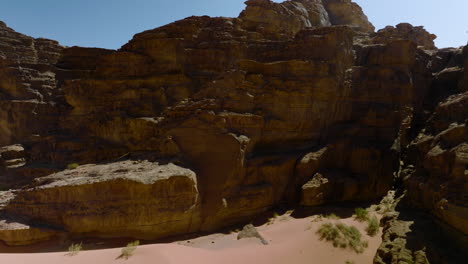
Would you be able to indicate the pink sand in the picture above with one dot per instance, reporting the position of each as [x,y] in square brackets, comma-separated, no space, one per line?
[291,241]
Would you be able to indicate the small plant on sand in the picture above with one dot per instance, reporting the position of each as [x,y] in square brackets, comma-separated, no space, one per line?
[349,262]
[342,236]
[72,166]
[333,216]
[74,249]
[129,250]
[361,214]
[372,226]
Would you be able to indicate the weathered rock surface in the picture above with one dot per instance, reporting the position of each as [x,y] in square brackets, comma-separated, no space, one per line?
[438,181]
[406,31]
[394,248]
[346,12]
[291,103]
[283,19]
[28,87]
[436,163]
[130,198]
[413,237]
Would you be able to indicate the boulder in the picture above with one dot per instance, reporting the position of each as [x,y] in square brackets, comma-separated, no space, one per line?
[346,12]
[138,199]
[249,231]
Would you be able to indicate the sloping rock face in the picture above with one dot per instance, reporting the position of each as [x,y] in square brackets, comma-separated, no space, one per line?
[290,103]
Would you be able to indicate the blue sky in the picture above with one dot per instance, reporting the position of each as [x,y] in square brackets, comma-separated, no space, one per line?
[111,23]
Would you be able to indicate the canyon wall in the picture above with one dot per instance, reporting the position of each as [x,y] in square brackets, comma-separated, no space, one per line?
[207,122]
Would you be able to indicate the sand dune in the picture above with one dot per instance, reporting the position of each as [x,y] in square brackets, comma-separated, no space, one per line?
[291,241]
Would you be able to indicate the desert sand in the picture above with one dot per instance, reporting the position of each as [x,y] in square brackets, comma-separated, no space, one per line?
[291,241]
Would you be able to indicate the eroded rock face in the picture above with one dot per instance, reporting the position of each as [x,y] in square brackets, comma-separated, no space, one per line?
[346,12]
[283,19]
[438,183]
[130,199]
[394,247]
[28,91]
[435,166]
[406,31]
[293,102]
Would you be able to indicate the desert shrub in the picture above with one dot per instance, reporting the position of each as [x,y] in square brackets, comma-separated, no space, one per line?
[342,236]
[372,226]
[361,214]
[329,232]
[349,262]
[333,216]
[72,166]
[129,250]
[74,249]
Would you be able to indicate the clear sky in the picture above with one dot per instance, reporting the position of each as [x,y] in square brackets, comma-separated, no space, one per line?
[111,23]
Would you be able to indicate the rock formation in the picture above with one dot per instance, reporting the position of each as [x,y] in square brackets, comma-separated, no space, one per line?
[406,31]
[207,122]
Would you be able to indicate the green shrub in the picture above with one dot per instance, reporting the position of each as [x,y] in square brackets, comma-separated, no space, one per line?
[333,216]
[129,250]
[361,214]
[372,226]
[342,236]
[74,249]
[349,262]
[72,166]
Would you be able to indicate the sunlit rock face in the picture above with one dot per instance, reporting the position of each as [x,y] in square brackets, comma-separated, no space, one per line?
[207,122]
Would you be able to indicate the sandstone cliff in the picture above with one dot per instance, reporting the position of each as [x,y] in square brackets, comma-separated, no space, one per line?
[207,122]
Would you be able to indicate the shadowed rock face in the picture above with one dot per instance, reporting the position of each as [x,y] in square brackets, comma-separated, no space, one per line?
[207,122]
[435,162]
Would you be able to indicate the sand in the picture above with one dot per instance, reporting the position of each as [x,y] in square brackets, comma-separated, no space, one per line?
[291,241]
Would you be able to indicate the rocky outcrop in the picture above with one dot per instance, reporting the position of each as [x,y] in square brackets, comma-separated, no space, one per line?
[406,31]
[410,236]
[346,12]
[27,85]
[394,247]
[127,199]
[283,19]
[435,165]
[437,181]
